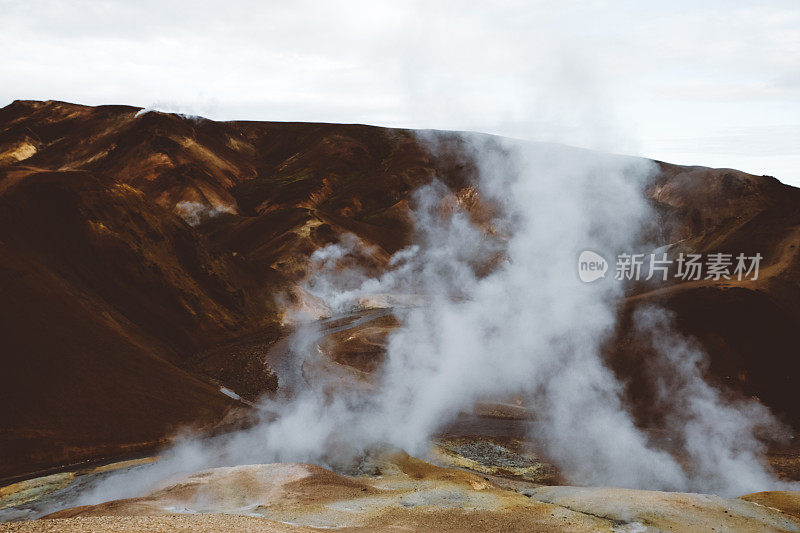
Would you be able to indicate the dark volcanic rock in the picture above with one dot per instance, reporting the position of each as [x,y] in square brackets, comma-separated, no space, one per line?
[135,247]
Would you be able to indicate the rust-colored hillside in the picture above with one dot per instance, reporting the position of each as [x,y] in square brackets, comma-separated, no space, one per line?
[131,242]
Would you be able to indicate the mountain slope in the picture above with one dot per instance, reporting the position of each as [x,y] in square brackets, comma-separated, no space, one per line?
[130,243]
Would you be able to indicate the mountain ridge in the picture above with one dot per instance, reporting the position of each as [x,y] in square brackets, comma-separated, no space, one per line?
[130,242]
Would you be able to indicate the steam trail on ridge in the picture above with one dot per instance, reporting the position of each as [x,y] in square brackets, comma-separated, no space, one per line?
[531,328]
[526,326]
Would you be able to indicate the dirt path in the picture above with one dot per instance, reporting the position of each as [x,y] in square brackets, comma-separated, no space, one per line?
[787,251]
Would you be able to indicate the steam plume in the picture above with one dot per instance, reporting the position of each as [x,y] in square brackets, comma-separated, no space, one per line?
[526,327]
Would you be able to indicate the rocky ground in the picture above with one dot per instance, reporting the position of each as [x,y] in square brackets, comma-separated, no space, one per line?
[146,264]
[401,493]
[147,260]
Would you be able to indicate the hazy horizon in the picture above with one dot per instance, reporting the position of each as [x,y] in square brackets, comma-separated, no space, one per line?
[712,83]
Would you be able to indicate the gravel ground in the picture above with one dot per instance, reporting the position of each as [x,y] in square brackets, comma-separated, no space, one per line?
[154,524]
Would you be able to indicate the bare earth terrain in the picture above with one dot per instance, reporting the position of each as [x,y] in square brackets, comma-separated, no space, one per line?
[146,262]
[402,493]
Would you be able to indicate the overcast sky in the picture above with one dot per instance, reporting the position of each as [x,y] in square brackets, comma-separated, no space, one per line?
[712,82]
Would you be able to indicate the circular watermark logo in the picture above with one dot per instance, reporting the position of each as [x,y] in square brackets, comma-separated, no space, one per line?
[591,266]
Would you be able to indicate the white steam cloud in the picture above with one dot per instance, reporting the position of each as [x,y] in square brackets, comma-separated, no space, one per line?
[526,327]
[195,212]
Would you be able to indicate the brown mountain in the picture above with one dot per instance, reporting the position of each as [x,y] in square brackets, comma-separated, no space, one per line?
[749,328]
[131,242]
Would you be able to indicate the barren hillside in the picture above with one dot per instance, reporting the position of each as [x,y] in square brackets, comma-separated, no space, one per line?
[132,244]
